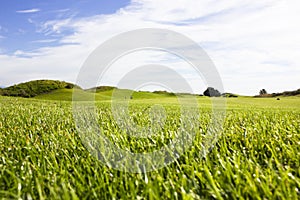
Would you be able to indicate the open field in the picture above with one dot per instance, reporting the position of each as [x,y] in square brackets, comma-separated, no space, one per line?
[257,156]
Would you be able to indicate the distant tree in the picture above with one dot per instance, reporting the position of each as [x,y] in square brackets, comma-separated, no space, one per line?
[211,92]
[262,92]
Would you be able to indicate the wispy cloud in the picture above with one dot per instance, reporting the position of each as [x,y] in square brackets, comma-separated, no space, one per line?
[34,10]
[60,10]
[44,41]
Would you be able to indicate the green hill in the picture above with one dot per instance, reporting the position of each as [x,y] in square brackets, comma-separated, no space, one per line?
[67,95]
[61,90]
[100,95]
[34,88]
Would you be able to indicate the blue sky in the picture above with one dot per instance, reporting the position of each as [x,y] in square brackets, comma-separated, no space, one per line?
[22,22]
[253,45]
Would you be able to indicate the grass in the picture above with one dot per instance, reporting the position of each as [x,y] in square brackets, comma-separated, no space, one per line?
[66,94]
[257,156]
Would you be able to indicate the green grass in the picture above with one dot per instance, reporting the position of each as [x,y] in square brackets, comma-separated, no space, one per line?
[257,156]
[265,103]
[66,95]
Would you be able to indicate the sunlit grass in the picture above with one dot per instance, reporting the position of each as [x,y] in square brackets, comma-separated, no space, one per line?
[257,157]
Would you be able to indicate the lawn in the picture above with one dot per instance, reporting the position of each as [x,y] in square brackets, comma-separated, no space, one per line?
[256,157]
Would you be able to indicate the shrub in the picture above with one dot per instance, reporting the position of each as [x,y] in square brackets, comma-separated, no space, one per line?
[211,92]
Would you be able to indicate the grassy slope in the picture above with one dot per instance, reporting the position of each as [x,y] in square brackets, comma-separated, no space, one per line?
[66,95]
[148,97]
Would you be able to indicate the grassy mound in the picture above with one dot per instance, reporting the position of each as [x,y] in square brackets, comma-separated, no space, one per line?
[34,88]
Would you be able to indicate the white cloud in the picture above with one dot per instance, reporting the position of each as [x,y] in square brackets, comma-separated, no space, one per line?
[44,41]
[34,10]
[253,44]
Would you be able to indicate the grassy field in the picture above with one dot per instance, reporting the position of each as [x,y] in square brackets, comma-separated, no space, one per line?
[66,95]
[257,156]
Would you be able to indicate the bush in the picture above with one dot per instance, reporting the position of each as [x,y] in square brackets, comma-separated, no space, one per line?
[211,92]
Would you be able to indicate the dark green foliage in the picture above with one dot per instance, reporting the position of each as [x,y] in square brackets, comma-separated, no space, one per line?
[164,92]
[34,88]
[285,93]
[102,88]
[291,93]
[211,92]
[229,95]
